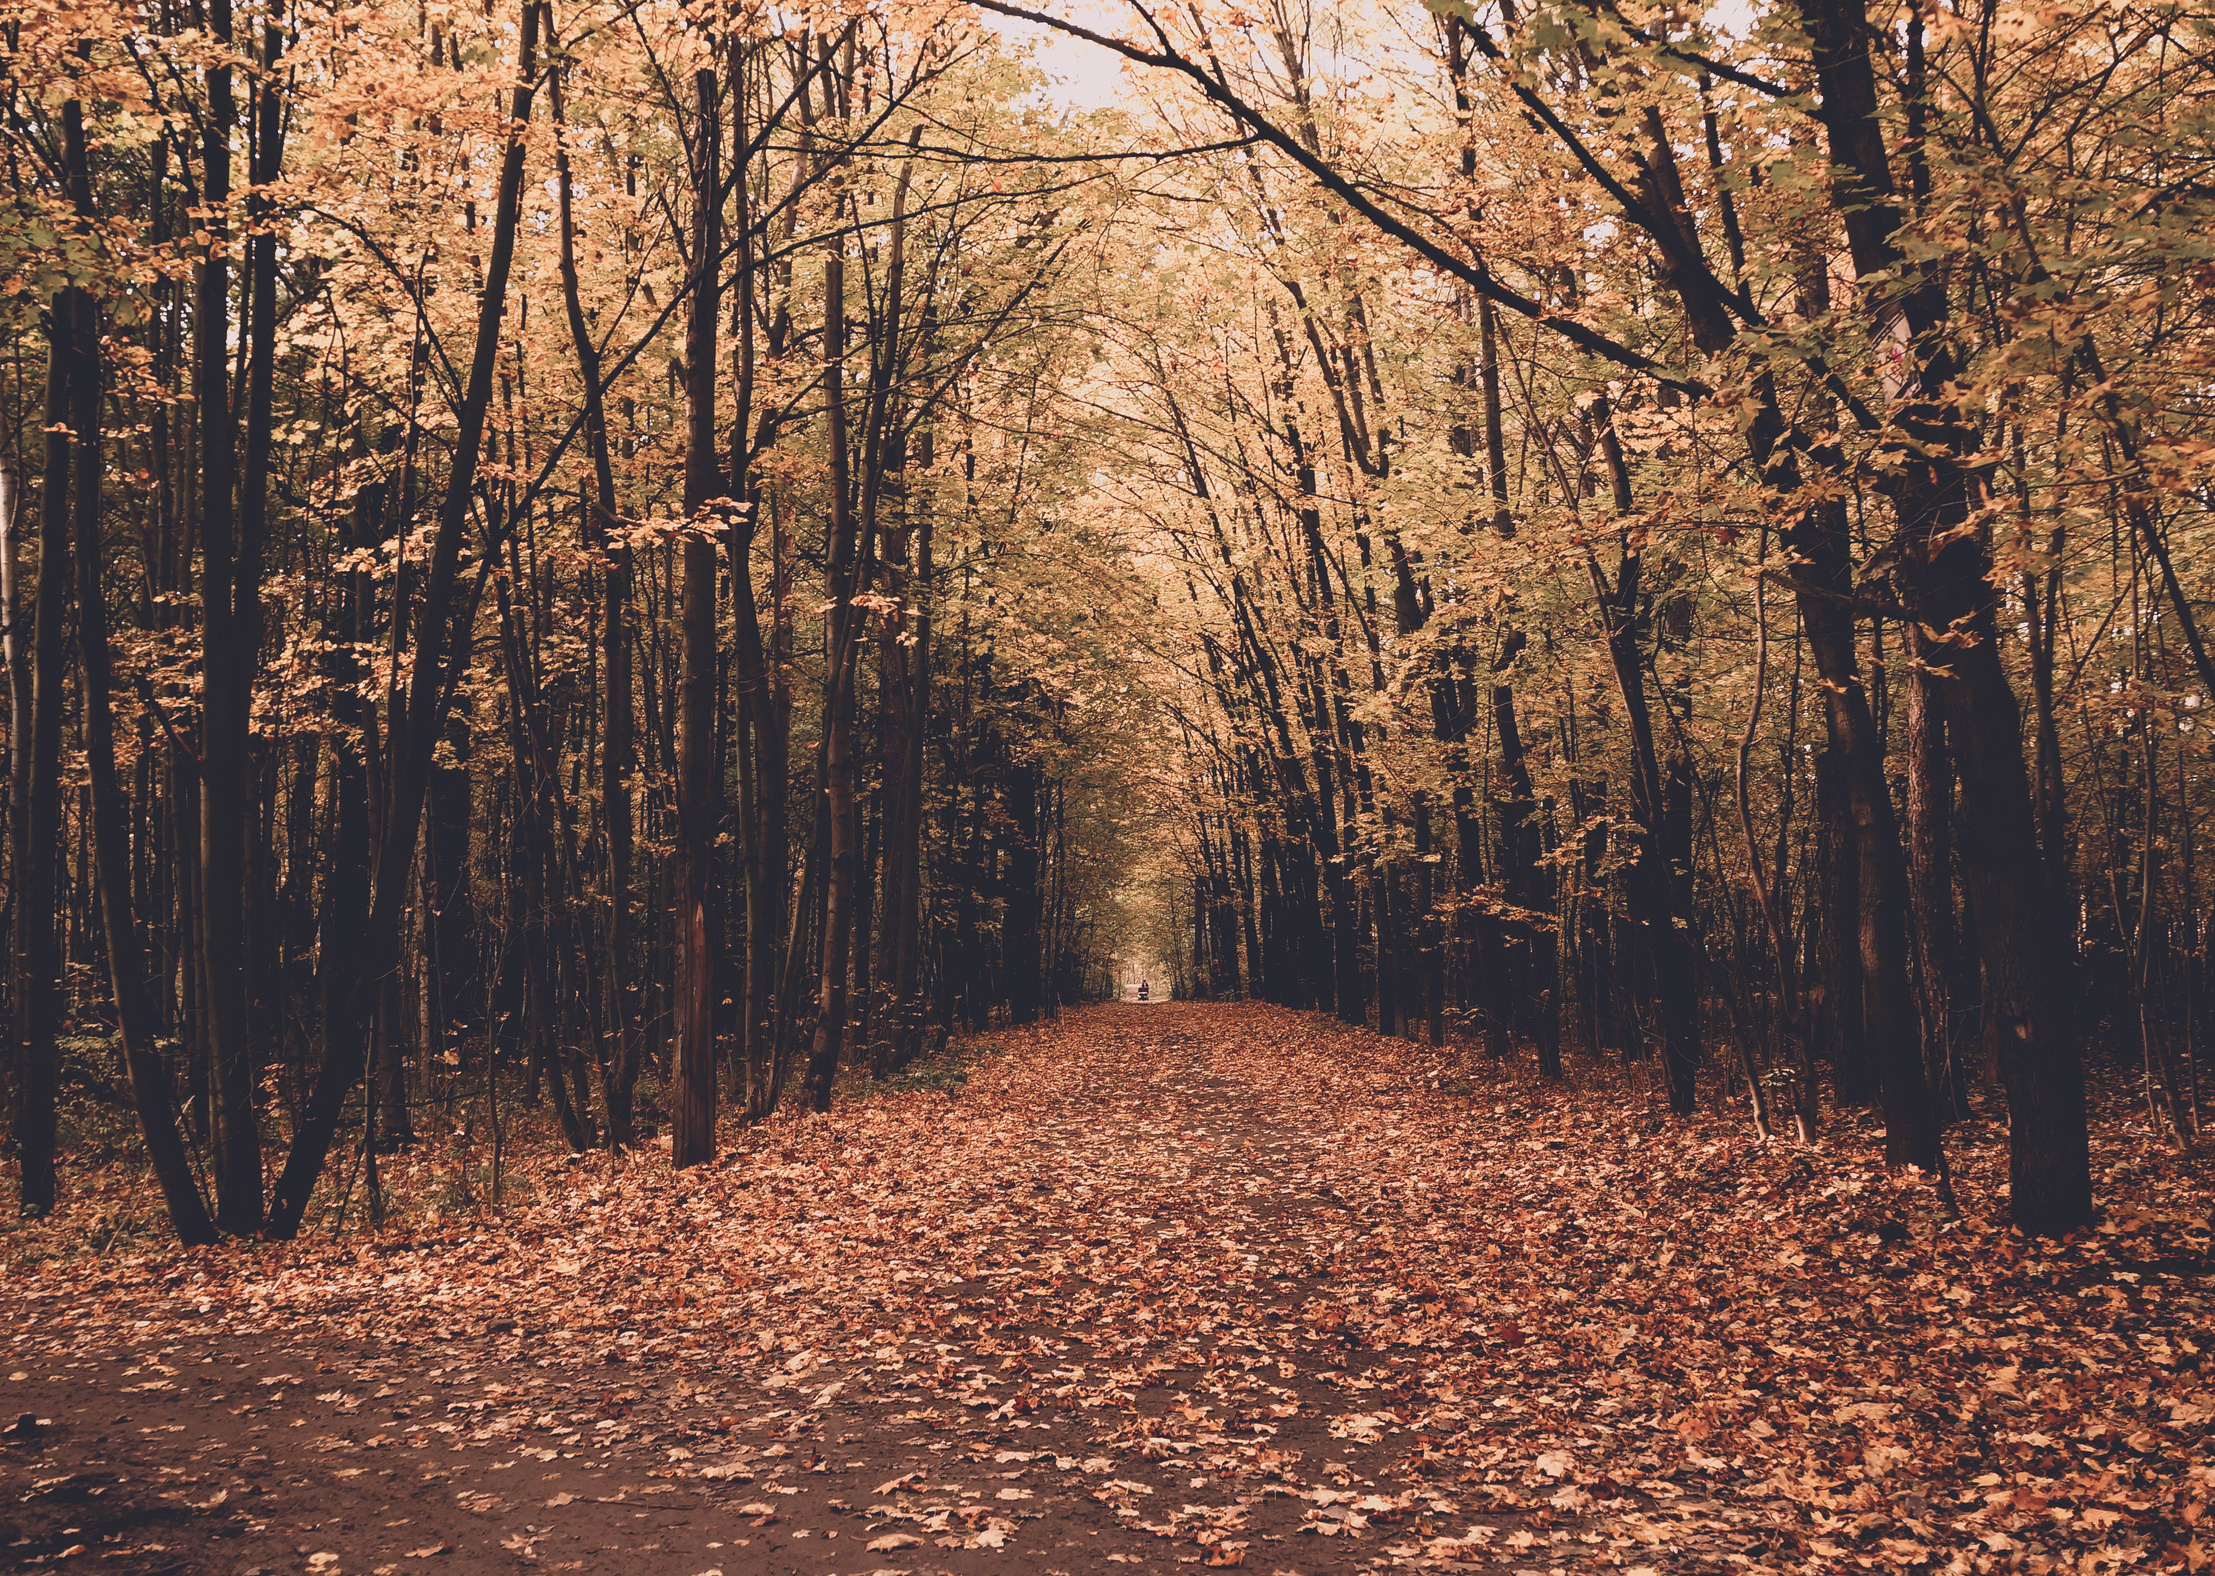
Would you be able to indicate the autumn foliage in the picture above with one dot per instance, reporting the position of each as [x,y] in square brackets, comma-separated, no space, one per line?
[615,616]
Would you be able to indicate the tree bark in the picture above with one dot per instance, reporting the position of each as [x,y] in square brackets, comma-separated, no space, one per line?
[1019,945]
[619,1057]
[692,1072]
[1930,786]
[2031,988]
[111,836]
[38,958]
[841,644]
[907,949]
[231,513]
[1666,968]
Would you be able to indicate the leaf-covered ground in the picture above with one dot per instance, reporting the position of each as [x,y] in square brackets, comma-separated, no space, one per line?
[1212,1286]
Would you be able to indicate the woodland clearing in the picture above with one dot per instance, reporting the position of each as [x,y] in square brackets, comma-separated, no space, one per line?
[1184,1284]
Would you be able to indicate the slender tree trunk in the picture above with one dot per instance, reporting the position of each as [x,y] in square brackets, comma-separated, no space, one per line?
[1666,966]
[619,1058]
[536,918]
[896,726]
[883,470]
[1528,882]
[761,688]
[907,949]
[1872,935]
[230,637]
[38,957]
[1939,985]
[1431,940]
[1020,942]
[841,644]
[15,650]
[692,1074]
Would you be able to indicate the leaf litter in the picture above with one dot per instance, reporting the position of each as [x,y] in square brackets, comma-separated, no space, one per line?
[1204,1285]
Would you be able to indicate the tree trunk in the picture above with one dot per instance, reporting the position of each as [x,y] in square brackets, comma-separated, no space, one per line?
[1665,968]
[111,836]
[230,612]
[38,959]
[1939,986]
[1430,940]
[765,708]
[1019,945]
[907,951]
[619,1057]
[841,644]
[692,1072]
[2031,990]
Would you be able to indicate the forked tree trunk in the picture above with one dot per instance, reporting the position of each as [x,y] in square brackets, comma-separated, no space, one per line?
[2031,989]
[111,835]
[349,985]
[230,614]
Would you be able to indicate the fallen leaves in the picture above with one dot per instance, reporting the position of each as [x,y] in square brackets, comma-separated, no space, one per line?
[1406,1325]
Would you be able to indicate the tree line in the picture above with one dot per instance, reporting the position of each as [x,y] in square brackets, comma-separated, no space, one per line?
[533,551]
[694,547]
[1681,533]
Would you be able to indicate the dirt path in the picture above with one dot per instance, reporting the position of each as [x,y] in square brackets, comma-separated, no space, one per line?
[1158,1286]
[1150,1261]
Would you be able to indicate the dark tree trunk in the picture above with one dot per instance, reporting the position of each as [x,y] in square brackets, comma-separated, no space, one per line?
[110,830]
[1665,967]
[231,514]
[1527,881]
[619,1055]
[1019,948]
[2030,982]
[38,957]
[1430,938]
[1837,937]
[1939,986]
[841,644]
[692,1071]
[907,975]
[1865,830]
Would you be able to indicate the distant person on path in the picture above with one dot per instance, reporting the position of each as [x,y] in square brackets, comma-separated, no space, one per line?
[1142,989]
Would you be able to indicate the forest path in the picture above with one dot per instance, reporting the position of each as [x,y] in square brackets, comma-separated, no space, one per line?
[1094,1322]
[1154,1286]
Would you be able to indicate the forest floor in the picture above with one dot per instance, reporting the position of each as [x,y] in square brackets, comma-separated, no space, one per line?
[1155,1286]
